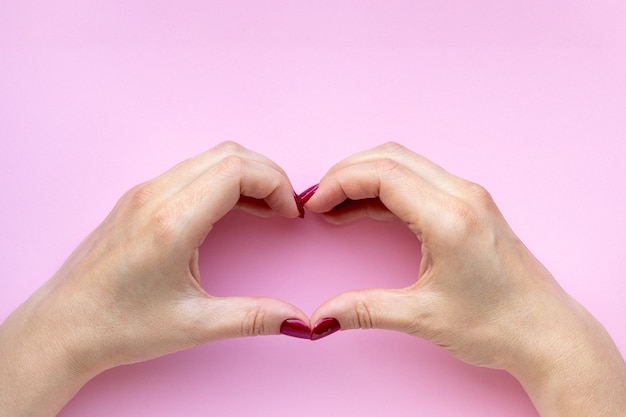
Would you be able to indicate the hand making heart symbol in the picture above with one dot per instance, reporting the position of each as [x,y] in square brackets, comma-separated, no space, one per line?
[131,291]
[137,274]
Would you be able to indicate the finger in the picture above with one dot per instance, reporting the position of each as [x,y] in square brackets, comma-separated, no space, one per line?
[213,194]
[228,317]
[353,210]
[420,165]
[254,206]
[184,173]
[407,195]
[393,309]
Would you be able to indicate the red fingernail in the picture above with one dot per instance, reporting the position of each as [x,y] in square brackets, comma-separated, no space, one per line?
[303,197]
[295,328]
[307,194]
[324,327]
[299,204]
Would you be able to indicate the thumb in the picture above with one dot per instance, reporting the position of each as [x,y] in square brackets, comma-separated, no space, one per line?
[229,317]
[404,310]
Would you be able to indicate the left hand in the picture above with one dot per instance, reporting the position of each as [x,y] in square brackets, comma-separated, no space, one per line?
[131,291]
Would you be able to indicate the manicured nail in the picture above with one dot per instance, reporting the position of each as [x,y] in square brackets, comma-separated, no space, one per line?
[295,328]
[307,194]
[299,204]
[324,327]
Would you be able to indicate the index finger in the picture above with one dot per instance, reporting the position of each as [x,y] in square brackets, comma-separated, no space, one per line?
[407,195]
[198,206]
[186,172]
[394,152]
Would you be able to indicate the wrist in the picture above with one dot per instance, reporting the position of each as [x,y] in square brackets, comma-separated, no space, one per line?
[39,373]
[570,366]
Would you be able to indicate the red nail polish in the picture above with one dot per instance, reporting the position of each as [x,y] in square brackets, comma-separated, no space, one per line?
[324,327]
[303,197]
[295,328]
[299,204]
[307,194]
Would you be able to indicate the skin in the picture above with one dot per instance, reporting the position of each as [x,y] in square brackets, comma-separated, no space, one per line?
[480,293]
[131,291]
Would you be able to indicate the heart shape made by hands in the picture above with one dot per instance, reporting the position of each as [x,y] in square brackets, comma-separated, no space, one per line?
[295,327]
[313,261]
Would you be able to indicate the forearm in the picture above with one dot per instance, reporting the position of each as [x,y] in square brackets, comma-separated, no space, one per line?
[577,371]
[37,374]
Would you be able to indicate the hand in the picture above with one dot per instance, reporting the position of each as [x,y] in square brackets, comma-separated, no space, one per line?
[132,292]
[479,293]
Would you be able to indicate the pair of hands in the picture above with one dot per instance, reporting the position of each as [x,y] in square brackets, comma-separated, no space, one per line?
[131,291]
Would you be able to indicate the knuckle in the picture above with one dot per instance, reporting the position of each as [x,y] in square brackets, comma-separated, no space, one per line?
[140,195]
[465,215]
[478,193]
[387,166]
[164,224]
[363,314]
[391,147]
[231,165]
[229,147]
[254,322]
[470,211]
[461,221]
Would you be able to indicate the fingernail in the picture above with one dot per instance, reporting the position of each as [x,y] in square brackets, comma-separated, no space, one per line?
[307,194]
[324,327]
[295,328]
[299,204]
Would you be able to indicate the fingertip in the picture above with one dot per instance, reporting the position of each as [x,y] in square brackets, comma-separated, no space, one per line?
[307,194]
[338,308]
[302,198]
[325,327]
[295,328]
[286,205]
[320,198]
[293,207]
[279,312]
[299,205]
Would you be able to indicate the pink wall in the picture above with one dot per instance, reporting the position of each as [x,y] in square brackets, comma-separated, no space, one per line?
[527,98]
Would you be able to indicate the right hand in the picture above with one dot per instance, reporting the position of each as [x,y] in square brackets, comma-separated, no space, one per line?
[480,293]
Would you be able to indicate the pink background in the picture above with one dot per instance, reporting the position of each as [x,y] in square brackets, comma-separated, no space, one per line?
[527,98]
